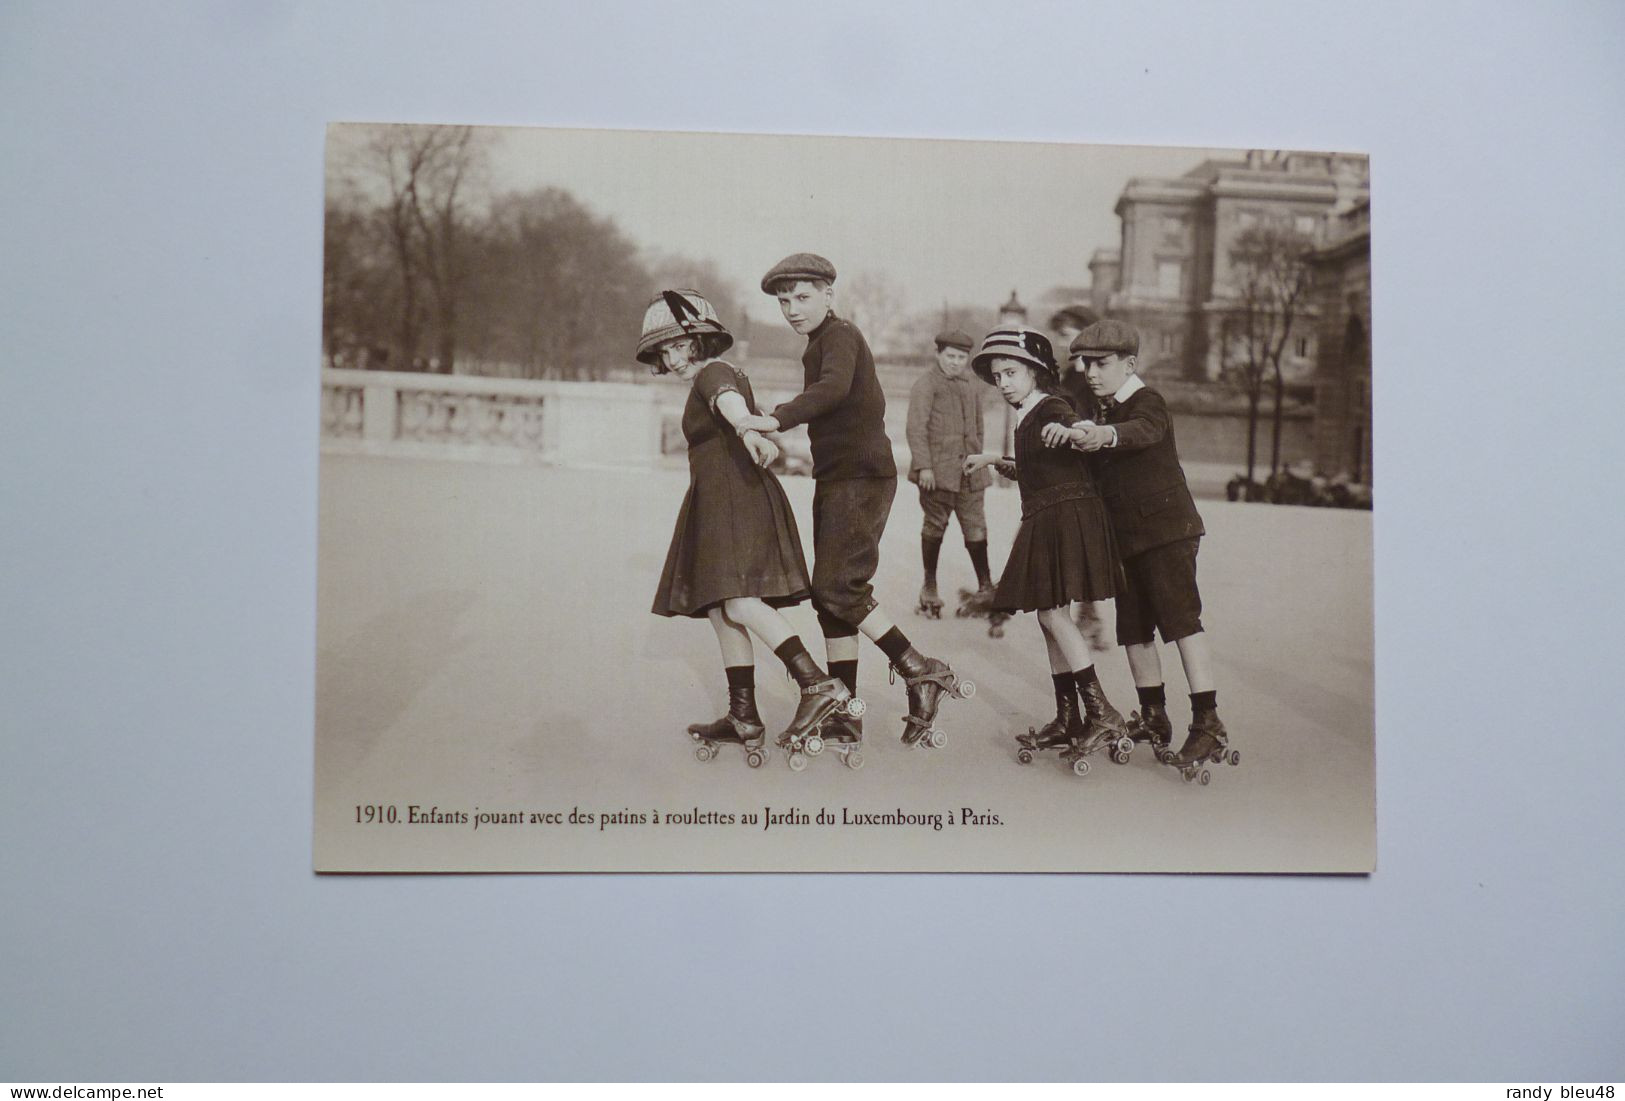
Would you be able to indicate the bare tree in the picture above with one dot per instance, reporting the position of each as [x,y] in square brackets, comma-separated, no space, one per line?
[426,172]
[873,301]
[1272,281]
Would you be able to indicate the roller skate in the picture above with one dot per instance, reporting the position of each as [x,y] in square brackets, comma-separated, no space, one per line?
[1151,727]
[1059,733]
[930,604]
[979,604]
[820,702]
[927,681]
[1103,729]
[741,726]
[844,735]
[1207,743]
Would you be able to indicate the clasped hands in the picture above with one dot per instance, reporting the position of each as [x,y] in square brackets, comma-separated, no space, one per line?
[1085,435]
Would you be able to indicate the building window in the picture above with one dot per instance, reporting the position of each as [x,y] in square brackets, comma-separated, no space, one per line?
[1303,347]
[1170,343]
[1170,277]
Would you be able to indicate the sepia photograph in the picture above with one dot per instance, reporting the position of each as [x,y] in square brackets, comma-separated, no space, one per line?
[708,502]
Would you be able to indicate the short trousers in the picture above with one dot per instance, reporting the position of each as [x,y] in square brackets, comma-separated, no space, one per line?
[939,504]
[849,517]
[1158,593]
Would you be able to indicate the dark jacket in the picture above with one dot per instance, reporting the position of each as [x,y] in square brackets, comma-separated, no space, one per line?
[841,404]
[944,426]
[1049,475]
[1141,479]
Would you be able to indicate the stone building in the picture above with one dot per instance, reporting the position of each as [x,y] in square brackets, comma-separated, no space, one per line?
[1342,377]
[1171,275]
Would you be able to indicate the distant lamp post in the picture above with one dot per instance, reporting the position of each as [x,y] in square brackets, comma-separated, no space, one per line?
[1011,315]
[1013,312]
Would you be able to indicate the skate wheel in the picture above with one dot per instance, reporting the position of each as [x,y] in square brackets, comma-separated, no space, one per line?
[1119,757]
[1164,756]
[704,752]
[754,758]
[797,762]
[853,760]
[1024,756]
[1206,777]
[1125,745]
[965,689]
[1080,767]
[855,708]
[937,739]
[1187,774]
[1235,756]
[814,745]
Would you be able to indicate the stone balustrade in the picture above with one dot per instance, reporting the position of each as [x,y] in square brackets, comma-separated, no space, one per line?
[489,419]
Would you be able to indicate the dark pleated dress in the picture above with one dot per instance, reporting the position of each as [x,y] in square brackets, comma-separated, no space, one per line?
[736,535]
[1064,549]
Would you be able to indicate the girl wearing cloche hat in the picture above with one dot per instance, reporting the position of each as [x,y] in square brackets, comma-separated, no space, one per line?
[735,556]
[1064,550]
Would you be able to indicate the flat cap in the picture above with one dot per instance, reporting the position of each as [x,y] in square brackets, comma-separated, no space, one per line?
[798,266]
[955,338]
[1105,338]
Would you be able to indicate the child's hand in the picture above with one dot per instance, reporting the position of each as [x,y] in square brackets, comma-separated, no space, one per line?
[1092,438]
[757,424]
[761,449]
[928,479]
[973,463]
[1056,434]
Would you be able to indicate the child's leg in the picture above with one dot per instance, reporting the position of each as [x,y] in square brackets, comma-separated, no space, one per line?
[1146,664]
[732,638]
[1197,657]
[764,620]
[1103,722]
[1065,726]
[742,722]
[1063,635]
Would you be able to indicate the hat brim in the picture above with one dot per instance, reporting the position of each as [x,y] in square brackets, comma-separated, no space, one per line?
[649,346]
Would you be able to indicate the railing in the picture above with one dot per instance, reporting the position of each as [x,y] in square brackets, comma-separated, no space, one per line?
[488,419]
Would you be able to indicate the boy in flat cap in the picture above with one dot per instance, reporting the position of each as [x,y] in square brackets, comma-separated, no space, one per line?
[856,480]
[1158,531]
[1067,322]
[945,426]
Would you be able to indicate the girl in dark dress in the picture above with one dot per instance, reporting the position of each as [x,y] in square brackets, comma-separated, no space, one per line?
[1064,550]
[735,556]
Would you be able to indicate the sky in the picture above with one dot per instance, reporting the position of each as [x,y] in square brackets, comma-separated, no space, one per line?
[950,221]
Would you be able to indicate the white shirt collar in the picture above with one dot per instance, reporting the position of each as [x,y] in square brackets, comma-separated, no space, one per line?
[1133,386]
[1028,404]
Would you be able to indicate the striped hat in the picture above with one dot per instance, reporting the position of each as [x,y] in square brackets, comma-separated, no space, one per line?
[1028,345]
[672,314]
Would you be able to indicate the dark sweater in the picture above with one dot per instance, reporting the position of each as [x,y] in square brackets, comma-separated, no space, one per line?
[841,404]
[1141,479]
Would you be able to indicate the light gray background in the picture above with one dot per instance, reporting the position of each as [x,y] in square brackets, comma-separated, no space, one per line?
[160,216]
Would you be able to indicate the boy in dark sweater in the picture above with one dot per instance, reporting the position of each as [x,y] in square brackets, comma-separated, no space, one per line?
[1158,531]
[844,410]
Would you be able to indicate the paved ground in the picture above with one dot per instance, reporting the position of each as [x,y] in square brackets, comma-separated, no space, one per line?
[485,642]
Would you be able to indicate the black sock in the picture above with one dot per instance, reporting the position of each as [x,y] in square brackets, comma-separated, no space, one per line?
[930,550]
[1083,678]
[847,673]
[1064,687]
[1152,694]
[790,649]
[1204,701]
[978,558]
[894,644]
[741,676]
